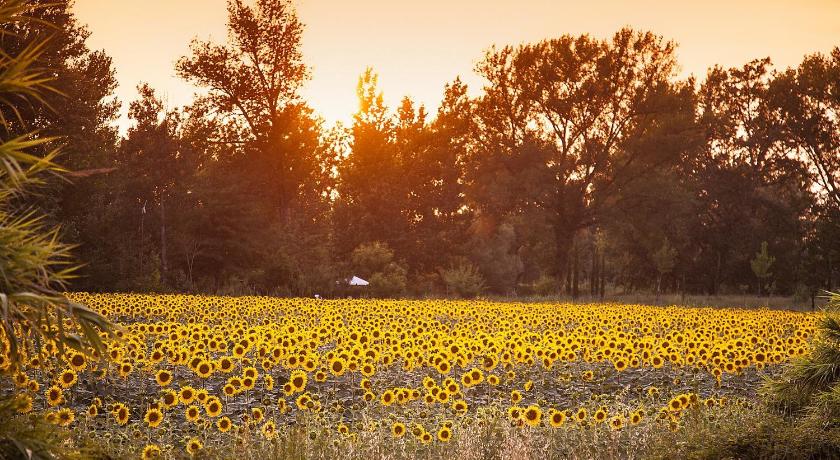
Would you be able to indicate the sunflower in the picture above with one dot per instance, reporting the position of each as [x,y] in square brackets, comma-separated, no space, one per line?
[213,406]
[23,404]
[269,430]
[192,413]
[657,362]
[556,418]
[398,429]
[515,396]
[204,369]
[600,415]
[620,364]
[224,424]
[153,417]
[532,415]
[229,390]
[125,369]
[443,367]
[343,429]
[636,417]
[193,446]
[150,451]
[444,434]
[387,398]
[617,422]
[337,367]
[268,381]
[460,407]
[92,411]
[169,398]
[368,369]
[67,378]
[257,414]
[78,362]
[581,415]
[297,381]
[225,364]
[163,377]
[186,395]
[65,416]
[121,414]
[54,395]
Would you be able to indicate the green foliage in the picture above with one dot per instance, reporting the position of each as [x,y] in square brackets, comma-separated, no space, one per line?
[30,436]
[374,262]
[761,265]
[809,379]
[463,279]
[390,282]
[34,264]
[369,258]
[546,285]
[665,258]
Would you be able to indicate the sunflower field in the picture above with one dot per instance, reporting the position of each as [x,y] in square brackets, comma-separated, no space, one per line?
[240,377]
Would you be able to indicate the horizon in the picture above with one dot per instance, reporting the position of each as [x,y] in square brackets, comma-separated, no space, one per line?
[419,58]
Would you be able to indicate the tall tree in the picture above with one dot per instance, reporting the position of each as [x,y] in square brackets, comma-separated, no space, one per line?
[749,185]
[253,83]
[553,119]
[372,192]
[808,99]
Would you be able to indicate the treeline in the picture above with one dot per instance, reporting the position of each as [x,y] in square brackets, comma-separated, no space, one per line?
[582,165]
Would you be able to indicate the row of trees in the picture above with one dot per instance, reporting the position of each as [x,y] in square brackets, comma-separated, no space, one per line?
[582,165]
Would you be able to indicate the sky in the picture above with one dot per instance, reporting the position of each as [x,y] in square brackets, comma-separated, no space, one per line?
[416,47]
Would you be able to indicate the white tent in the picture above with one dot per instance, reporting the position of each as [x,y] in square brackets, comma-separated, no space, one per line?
[356,281]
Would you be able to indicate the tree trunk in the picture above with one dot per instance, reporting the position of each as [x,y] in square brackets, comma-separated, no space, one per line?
[593,275]
[575,271]
[163,268]
[563,237]
[603,277]
[658,286]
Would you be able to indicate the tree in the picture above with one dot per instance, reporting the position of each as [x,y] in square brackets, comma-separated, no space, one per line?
[264,147]
[746,183]
[665,259]
[552,121]
[808,99]
[761,265]
[35,264]
[375,262]
[81,111]
[252,84]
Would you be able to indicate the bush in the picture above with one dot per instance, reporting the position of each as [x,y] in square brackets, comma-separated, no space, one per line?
[370,258]
[388,283]
[546,285]
[463,279]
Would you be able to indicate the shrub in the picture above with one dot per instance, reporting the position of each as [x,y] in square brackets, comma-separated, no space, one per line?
[463,279]
[546,285]
[390,282]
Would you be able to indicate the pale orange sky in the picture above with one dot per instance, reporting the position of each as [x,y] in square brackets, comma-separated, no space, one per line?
[418,46]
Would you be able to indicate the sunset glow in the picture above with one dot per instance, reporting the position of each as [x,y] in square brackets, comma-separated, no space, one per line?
[417,47]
